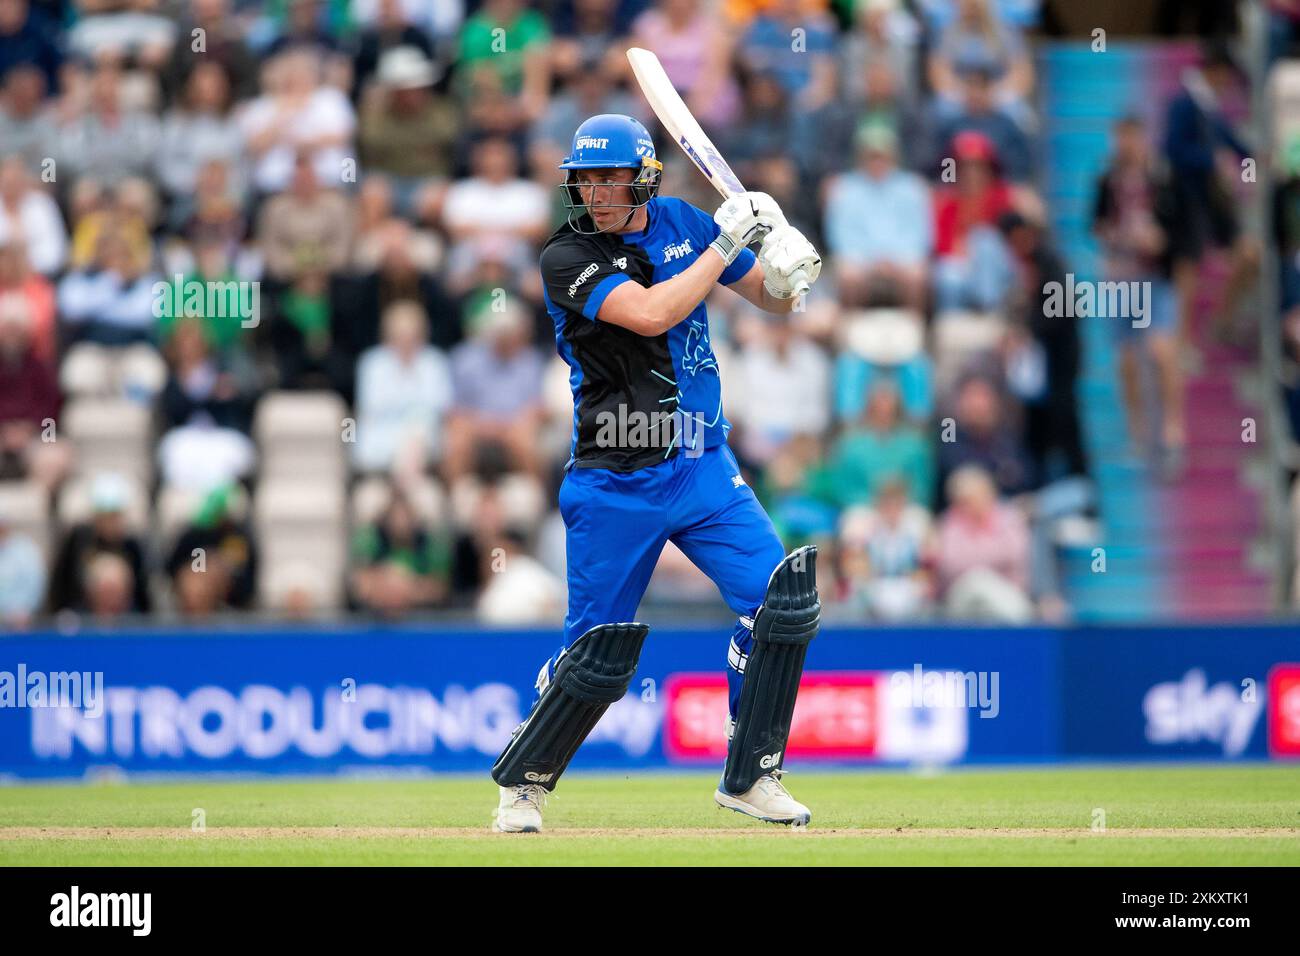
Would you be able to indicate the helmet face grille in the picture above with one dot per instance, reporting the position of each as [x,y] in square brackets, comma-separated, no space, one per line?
[644,188]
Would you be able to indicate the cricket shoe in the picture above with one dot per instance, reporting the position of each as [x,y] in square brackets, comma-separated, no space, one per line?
[520,809]
[767,800]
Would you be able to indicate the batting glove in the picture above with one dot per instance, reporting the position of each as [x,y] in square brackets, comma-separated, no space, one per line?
[745,219]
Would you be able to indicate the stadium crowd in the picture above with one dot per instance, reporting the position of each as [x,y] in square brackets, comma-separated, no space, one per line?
[375,417]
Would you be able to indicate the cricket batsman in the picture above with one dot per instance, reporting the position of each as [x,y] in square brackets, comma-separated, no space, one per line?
[625,281]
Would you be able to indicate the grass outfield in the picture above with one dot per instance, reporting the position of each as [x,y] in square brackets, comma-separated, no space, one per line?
[1203,816]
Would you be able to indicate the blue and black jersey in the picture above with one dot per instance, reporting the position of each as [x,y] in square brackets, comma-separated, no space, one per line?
[637,400]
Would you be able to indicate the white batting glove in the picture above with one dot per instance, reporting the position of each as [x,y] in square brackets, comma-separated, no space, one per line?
[744,219]
[788,260]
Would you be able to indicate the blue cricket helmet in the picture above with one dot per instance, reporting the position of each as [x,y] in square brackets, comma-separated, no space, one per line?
[611,141]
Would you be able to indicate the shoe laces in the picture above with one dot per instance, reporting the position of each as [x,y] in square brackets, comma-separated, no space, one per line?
[529,794]
[771,782]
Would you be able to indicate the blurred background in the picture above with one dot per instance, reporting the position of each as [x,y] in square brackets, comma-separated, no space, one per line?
[361,413]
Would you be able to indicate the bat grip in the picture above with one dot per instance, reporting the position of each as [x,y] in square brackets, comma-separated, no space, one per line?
[799,282]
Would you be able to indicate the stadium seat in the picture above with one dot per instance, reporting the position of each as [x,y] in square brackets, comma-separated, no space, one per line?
[884,336]
[110,434]
[86,370]
[300,434]
[299,521]
[959,336]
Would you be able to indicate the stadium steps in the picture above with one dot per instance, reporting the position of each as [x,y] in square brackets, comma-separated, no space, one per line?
[1177,550]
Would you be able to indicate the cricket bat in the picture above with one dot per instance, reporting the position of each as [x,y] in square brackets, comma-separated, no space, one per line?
[683,127]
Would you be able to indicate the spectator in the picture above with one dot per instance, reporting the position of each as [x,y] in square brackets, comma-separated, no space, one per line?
[306,230]
[1196,132]
[1133,219]
[214,561]
[29,397]
[983,553]
[206,412]
[695,50]
[879,449]
[1049,342]
[390,28]
[825,139]
[764,128]
[521,591]
[408,131]
[972,268]
[403,395]
[523,67]
[28,38]
[109,140]
[27,128]
[400,563]
[224,47]
[976,111]
[977,41]
[439,20]
[110,584]
[884,34]
[131,32]
[33,295]
[785,381]
[28,215]
[297,119]
[496,393]
[984,434]
[495,200]
[587,32]
[807,74]
[200,130]
[885,552]
[77,584]
[127,211]
[111,303]
[357,302]
[22,577]
[878,226]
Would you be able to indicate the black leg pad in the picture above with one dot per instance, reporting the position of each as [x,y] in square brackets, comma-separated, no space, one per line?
[783,627]
[592,674]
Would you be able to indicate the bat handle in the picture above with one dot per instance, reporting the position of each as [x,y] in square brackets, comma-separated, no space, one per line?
[800,283]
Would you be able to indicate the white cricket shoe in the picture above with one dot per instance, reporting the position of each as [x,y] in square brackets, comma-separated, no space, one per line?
[520,809]
[767,800]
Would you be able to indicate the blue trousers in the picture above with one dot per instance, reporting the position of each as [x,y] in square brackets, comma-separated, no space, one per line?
[618,524]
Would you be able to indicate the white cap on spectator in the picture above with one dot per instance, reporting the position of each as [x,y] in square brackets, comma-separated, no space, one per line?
[406,68]
[884,336]
[108,492]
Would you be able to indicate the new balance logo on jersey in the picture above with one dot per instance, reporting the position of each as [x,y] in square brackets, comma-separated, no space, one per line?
[770,760]
[677,251]
[737,481]
[591,142]
[587,273]
[538,777]
[621,262]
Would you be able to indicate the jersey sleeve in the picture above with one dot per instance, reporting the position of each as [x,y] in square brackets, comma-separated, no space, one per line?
[578,276]
[744,262]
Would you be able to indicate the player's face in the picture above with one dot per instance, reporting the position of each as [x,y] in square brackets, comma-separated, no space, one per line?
[603,191]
